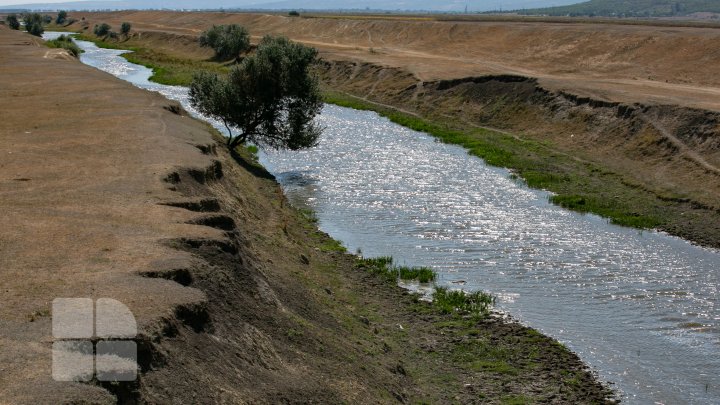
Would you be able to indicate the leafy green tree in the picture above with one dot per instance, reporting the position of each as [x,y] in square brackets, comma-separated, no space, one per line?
[271,97]
[101,30]
[294,13]
[47,19]
[12,22]
[61,17]
[34,24]
[125,28]
[228,41]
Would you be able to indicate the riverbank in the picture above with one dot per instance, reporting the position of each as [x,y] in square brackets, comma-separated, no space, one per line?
[238,296]
[640,165]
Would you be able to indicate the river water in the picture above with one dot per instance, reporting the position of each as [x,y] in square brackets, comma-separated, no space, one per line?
[641,308]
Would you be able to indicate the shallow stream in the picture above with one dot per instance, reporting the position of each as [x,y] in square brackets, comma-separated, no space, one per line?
[641,308]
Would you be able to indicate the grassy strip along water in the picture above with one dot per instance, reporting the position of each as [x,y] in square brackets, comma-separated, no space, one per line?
[65,42]
[475,304]
[167,69]
[578,185]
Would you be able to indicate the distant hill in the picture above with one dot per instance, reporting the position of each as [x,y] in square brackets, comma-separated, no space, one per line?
[630,8]
[385,5]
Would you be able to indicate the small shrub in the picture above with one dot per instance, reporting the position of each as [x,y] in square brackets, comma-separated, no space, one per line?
[47,19]
[294,14]
[125,28]
[67,43]
[476,304]
[61,17]
[101,30]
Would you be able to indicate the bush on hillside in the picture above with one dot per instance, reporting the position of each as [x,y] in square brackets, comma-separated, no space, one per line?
[101,30]
[228,41]
[125,28]
[61,17]
[12,22]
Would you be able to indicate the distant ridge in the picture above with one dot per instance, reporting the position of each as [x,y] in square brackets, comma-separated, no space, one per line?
[625,8]
[355,5]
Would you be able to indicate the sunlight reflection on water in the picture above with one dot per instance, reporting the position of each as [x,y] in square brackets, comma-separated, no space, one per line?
[640,307]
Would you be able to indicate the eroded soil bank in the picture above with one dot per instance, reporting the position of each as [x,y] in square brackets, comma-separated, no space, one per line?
[589,111]
[239,298]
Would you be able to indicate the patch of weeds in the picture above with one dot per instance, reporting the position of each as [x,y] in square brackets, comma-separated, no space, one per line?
[383,266]
[252,149]
[572,379]
[332,245]
[421,274]
[65,42]
[481,355]
[309,215]
[293,334]
[380,266]
[495,367]
[476,304]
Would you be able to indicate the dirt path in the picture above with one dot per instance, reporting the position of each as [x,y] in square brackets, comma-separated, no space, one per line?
[84,156]
[684,149]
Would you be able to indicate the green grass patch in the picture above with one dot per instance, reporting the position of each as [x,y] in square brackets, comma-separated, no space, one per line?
[421,274]
[482,355]
[309,215]
[476,304]
[65,42]
[516,400]
[332,245]
[380,266]
[252,149]
[383,266]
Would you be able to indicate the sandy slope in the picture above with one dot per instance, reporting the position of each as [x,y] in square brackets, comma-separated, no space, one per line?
[627,63]
[83,159]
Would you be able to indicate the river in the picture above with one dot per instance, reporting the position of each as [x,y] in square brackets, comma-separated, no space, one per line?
[640,307]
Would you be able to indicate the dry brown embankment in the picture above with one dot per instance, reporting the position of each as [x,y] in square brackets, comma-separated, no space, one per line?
[626,63]
[106,193]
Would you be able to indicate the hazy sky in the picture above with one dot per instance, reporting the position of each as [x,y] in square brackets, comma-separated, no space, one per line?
[473,4]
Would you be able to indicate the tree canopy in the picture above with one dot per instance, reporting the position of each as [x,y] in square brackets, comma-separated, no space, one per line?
[102,29]
[228,41]
[12,22]
[61,17]
[34,24]
[125,28]
[271,97]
